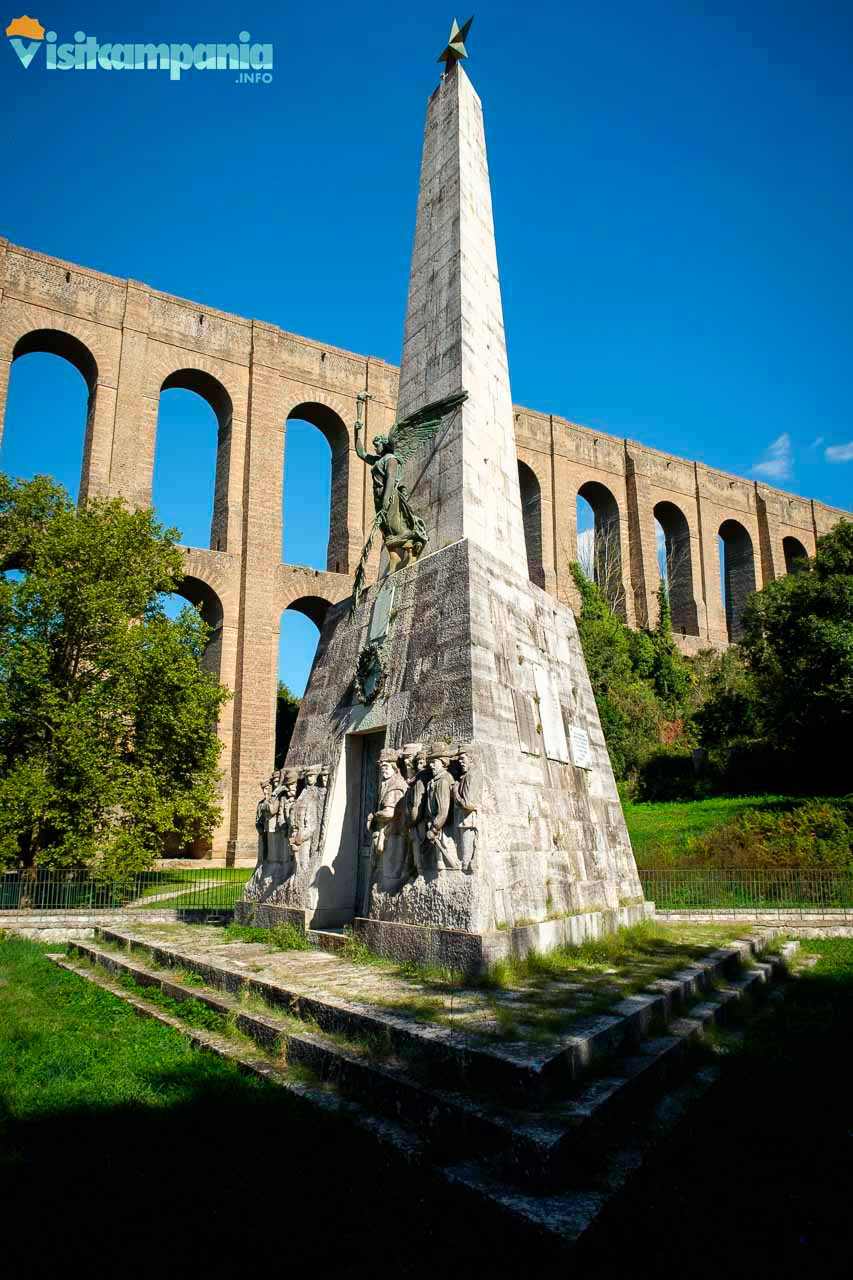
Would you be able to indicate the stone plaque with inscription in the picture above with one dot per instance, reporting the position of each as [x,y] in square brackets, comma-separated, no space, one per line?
[581,753]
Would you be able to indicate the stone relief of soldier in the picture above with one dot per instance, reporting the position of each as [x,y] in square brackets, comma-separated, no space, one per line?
[285,794]
[417,777]
[265,818]
[440,847]
[387,827]
[467,800]
[305,818]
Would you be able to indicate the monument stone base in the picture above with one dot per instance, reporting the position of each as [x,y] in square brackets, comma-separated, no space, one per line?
[269,915]
[472,953]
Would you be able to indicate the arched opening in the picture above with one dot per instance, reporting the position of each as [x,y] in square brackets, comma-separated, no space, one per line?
[299,634]
[46,402]
[192,455]
[531,511]
[737,574]
[200,595]
[194,592]
[316,481]
[599,542]
[796,556]
[676,568]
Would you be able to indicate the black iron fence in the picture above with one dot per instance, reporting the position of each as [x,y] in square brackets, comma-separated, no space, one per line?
[784,889]
[195,888]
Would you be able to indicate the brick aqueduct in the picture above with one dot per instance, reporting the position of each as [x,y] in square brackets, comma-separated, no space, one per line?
[131,342]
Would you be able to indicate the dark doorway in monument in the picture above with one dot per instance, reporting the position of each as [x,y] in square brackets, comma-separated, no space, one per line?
[315,494]
[363,766]
[672,535]
[191,458]
[50,408]
[599,542]
[737,574]
[531,510]
[796,556]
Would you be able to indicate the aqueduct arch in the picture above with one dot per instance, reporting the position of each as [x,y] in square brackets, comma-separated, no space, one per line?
[738,573]
[331,425]
[795,555]
[531,511]
[607,566]
[211,390]
[130,342]
[68,347]
[679,567]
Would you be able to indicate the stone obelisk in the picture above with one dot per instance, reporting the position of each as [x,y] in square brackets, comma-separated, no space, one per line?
[459,653]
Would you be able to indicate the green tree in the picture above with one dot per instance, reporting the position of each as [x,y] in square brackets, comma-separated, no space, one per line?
[108,739]
[286,710]
[629,712]
[798,643]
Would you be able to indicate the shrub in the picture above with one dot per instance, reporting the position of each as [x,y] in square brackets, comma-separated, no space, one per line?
[668,775]
[817,834]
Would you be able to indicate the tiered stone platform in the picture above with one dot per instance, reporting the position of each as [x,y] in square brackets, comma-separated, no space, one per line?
[539,1101]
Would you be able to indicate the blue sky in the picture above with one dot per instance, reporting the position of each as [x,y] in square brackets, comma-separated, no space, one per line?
[672,189]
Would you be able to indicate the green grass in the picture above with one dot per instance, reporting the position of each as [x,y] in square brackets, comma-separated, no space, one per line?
[282,937]
[660,832]
[112,1129]
[66,1045]
[208,895]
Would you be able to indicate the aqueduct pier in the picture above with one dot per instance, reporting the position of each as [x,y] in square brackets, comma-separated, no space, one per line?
[131,342]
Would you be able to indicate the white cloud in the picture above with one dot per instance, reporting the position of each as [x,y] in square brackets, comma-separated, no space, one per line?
[777,463]
[586,542]
[816,443]
[839,452]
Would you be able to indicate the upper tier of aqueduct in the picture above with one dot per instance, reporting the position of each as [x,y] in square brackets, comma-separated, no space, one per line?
[131,342]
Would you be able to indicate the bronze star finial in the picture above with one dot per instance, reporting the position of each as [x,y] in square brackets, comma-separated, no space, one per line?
[455,45]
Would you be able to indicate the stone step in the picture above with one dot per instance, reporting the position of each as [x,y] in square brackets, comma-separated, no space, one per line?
[531,1073]
[392,1136]
[559,1215]
[529,1146]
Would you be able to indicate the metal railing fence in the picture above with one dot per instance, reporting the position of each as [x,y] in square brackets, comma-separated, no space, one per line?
[195,888]
[782,889]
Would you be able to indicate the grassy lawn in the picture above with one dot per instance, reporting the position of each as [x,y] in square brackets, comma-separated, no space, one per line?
[222,891]
[123,1151]
[660,832]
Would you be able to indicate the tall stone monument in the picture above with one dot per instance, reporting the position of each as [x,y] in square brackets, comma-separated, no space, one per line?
[471,809]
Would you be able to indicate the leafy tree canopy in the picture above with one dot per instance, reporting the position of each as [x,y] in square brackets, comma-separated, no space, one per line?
[286,710]
[798,645]
[108,739]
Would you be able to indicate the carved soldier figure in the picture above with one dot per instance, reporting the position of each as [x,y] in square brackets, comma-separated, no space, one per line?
[387,825]
[439,797]
[305,819]
[286,794]
[263,876]
[265,819]
[467,797]
[417,777]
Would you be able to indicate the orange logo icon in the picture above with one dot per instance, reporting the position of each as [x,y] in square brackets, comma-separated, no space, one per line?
[29,28]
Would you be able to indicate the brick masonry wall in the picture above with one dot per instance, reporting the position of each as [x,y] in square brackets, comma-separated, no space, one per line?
[128,340]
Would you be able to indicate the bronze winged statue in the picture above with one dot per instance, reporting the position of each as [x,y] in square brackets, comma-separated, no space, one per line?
[403,531]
